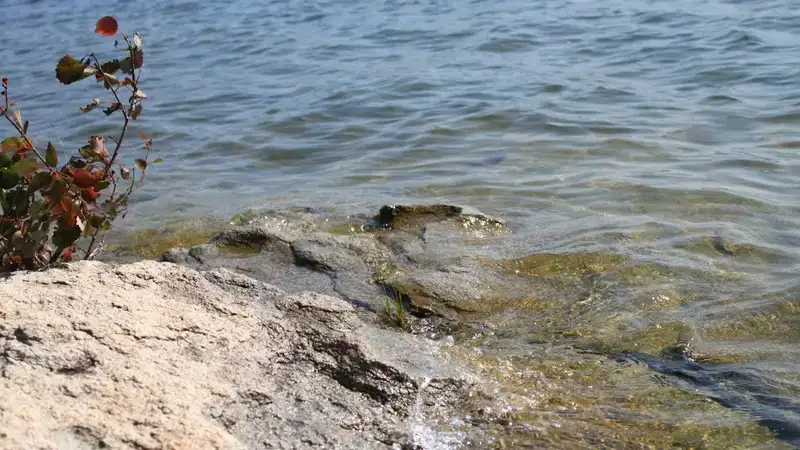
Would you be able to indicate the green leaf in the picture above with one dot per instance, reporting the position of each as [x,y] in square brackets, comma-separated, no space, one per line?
[136,111]
[110,209]
[112,109]
[88,230]
[38,207]
[12,144]
[51,157]
[77,163]
[86,152]
[126,66]
[110,67]
[40,180]
[102,185]
[70,70]
[37,236]
[8,178]
[158,161]
[140,164]
[65,237]
[96,220]
[6,226]
[25,167]
[5,160]
[22,203]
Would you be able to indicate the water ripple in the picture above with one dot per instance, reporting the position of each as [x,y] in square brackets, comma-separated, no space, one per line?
[582,122]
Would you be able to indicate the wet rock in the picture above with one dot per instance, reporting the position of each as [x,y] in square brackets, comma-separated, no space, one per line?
[404,217]
[428,242]
[155,355]
[259,238]
[468,288]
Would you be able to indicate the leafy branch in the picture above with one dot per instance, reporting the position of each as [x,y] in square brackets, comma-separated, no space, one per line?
[47,209]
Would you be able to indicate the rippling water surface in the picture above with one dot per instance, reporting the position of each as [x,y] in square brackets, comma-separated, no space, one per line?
[665,130]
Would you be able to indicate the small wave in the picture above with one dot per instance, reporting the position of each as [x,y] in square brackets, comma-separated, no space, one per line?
[720,99]
[507,46]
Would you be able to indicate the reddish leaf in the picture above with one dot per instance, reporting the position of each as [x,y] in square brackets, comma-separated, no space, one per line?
[5,82]
[67,212]
[90,195]
[67,256]
[85,179]
[58,190]
[106,26]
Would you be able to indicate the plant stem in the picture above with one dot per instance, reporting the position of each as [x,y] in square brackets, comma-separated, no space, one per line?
[124,115]
[120,139]
[25,136]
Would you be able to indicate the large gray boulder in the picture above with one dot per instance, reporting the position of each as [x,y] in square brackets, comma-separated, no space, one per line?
[155,355]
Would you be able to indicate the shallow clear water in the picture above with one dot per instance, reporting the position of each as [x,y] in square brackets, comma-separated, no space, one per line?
[665,130]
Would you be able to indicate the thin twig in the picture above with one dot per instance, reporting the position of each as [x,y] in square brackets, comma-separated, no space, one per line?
[25,136]
[124,115]
[120,139]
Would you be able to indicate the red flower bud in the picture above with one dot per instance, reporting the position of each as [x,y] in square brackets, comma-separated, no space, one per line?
[5,81]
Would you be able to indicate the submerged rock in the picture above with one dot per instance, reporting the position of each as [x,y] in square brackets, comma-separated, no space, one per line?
[154,355]
[404,217]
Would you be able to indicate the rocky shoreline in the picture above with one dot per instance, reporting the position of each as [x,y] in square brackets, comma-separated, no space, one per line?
[159,355]
[421,327]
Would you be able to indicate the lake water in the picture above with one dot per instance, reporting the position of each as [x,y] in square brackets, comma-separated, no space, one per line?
[666,130]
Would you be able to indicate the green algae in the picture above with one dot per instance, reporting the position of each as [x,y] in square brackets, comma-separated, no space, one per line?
[723,359]
[152,243]
[555,264]
[740,252]
[662,339]
[780,322]
[569,400]
[233,251]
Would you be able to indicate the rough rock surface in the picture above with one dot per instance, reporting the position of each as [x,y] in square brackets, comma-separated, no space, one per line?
[427,252]
[154,355]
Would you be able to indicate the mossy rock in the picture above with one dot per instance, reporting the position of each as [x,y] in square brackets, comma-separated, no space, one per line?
[662,339]
[556,264]
[568,400]
[152,243]
[779,322]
